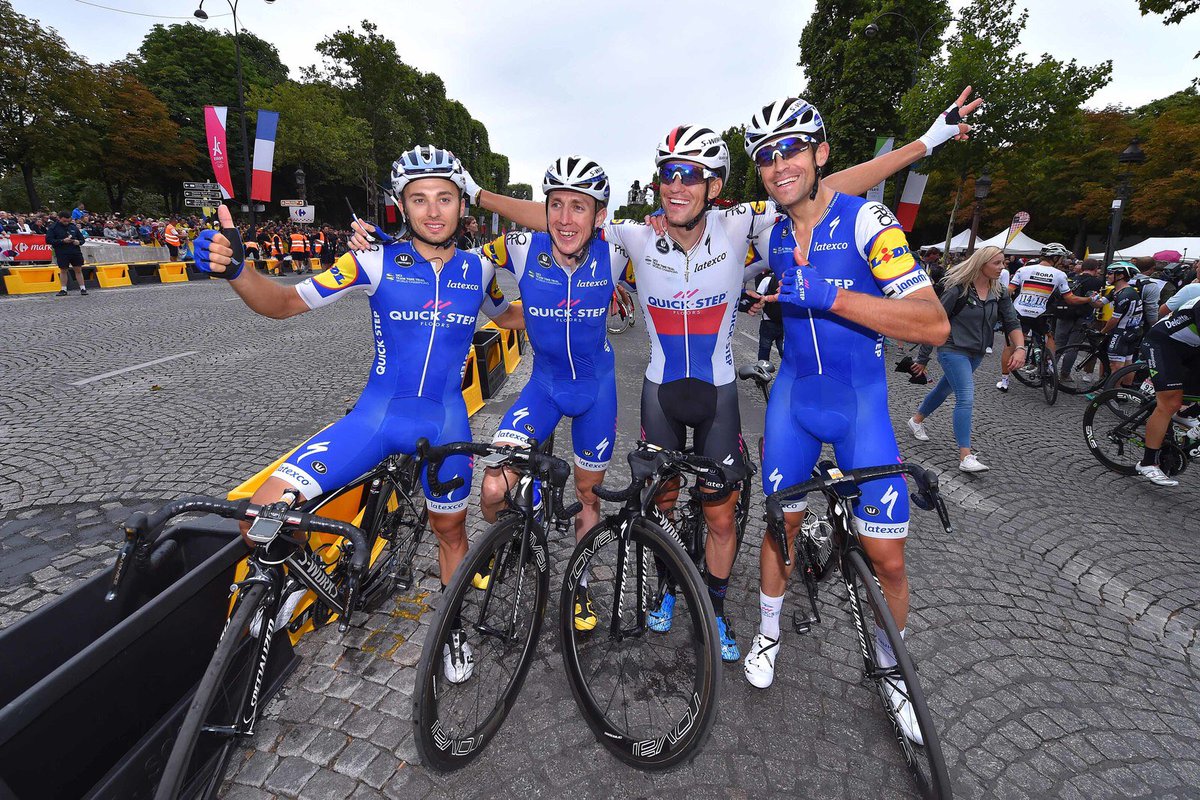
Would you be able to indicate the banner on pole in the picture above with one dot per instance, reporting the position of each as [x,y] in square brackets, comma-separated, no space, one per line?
[910,200]
[1019,221]
[264,155]
[883,145]
[214,128]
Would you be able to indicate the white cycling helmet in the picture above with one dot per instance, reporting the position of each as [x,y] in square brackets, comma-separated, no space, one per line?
[579,174]
[791,115]
[426,161]
[1054,250]
[694,143]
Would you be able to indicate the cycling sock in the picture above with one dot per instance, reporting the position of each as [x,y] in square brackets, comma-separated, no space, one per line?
[716,592]
[883,648]
[1150,457]
[769,609]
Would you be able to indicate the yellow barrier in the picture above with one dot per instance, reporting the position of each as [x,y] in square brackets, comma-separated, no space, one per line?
[110,275]
[510,345]
[314,264]
[272,266]
[472,390]
[173,272]
[32,280]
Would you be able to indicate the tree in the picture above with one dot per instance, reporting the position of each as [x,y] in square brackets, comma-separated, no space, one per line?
[1173,10]
[130,139]
[1030,107]
[857,82]
[43,88]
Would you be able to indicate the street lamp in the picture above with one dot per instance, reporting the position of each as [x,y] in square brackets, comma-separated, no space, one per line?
[983,185]
[200,13]
[300,185]
[1130,157]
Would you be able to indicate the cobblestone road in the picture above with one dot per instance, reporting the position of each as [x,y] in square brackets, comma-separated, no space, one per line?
[1056,629]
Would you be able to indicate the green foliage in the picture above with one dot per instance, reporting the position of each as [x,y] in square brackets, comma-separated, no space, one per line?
[521,191]
[1173,10]
[743,184]
[857,82]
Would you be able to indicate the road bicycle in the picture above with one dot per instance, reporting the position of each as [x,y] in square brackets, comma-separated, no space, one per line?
[649,696]
[1114,427]
[830,543]
[454,721]
[289,586]
[1083,367]
[1039,370]
[620,312]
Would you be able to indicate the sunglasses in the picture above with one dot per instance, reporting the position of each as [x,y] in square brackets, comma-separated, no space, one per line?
[784,148]
[689,174]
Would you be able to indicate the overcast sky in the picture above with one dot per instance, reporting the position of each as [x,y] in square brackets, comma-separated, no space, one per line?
[608,81]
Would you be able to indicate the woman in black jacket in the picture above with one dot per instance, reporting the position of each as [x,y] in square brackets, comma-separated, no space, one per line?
[974,299]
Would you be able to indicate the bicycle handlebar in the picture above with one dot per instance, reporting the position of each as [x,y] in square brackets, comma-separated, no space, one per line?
[927,496]
[139,526]
[522,459]
[647,460]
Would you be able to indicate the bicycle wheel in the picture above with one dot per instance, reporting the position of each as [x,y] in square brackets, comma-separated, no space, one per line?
[1049,378]
[898,684]
[1031,374]
[1114,428]
[1139,382]
[397,533]
[454,721]
[618,321]
[651,698]
[1088,369]
[215,720]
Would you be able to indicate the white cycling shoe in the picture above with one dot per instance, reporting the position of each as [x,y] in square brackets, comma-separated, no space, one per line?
[759,665]
[897,695]
[1154,473]
[458,662]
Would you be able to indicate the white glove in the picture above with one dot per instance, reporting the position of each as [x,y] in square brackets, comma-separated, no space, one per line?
[944,128]
[472,188]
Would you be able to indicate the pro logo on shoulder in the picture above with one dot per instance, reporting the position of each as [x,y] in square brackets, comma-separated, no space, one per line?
[544,260]
[404,260]
[662,246]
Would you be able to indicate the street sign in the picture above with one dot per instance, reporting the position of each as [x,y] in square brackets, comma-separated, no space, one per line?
[196,202]
[206,187]
[303,214]
[202,195]
[292,203]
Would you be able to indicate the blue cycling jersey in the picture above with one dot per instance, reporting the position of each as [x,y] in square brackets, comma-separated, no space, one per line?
[832,385]
[565,317]
[423,321]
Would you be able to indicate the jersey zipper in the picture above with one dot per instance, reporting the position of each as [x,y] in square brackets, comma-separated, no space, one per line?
[687,337]
[437,288]
[570,358]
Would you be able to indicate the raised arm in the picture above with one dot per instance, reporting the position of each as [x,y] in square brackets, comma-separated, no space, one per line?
[949,125]
[526,213]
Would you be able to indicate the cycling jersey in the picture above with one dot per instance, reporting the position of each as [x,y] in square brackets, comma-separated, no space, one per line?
[565,317]
[1127,309]
[832,384]
[424,320]
[1172,348]
[689,299]
[1032,286]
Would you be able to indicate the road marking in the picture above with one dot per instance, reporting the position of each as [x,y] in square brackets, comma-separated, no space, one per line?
[131,369]
[748,336]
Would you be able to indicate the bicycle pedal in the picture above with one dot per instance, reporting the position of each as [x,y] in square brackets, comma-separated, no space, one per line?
[801,626]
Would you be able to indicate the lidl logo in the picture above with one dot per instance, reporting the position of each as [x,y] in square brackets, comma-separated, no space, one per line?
[339,275]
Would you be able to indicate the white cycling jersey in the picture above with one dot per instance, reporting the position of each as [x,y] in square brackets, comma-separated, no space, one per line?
[689,299]
[1034,285]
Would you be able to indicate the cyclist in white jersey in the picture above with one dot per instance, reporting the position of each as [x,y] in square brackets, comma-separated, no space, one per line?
[1031,288]
[688,281]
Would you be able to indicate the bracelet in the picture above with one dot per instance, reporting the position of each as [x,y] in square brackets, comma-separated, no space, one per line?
[1021,347]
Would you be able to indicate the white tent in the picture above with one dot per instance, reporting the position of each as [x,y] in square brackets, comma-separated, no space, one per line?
[1189,246]
[1022,245]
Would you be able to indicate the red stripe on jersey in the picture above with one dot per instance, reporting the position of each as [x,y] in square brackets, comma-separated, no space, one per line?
[700,321]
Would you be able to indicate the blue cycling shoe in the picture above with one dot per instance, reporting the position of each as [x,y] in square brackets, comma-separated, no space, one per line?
[729,647]
[660,619]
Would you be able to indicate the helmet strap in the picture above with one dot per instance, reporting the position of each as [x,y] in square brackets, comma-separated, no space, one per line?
[816,176]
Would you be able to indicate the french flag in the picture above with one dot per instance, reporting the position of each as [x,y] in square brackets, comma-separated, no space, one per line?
[264,155]
[389,208]
[910,200]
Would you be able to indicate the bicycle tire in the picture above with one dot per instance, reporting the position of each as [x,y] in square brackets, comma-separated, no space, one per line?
[214,686]
[688,718]
[1094,432]
[1089,368]
[441,741]
[618,323]
[401,527]
[1141,374]
[1030,374]
[1049,379]
[925,761]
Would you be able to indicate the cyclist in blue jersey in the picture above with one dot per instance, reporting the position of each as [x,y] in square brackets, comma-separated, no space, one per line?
[847,280]
[424,298]
[689,274]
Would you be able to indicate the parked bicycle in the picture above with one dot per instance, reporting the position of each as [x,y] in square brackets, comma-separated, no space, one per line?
[455,719]
[649,696]
[821,547]
[346,571]
[1039,370]
[1114,427]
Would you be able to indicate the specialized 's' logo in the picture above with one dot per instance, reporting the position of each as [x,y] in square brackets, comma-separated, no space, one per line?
[889,499]
[313,449]
[600,448]
[775,477]
[833,226]
[520,414]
